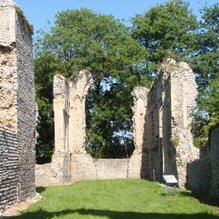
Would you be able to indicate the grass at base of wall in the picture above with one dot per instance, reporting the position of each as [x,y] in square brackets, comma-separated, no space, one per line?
[116,199]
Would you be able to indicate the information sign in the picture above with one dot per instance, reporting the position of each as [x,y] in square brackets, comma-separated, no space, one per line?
[170,179]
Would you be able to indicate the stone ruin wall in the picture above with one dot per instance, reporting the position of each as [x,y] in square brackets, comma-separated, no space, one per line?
[70,161]
[17,107]
[168,144]
[161,130]
[161,118]
[203,173]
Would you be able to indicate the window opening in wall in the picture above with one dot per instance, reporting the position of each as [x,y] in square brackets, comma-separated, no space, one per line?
[109,119]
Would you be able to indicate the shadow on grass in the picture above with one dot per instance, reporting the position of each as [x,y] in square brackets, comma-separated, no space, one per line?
[203,199]
[41,214]
[40,189]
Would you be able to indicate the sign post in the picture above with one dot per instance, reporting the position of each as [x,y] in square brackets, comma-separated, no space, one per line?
[170,180]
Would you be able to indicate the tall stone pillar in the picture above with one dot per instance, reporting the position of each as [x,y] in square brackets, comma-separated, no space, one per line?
[17,106]
[78,86]
[139,116]
[60,108]
[70,124]
[137,164]
[69,112]
[183,95]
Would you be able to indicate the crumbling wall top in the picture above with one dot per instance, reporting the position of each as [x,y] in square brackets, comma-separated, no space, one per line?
[12,17]
[140,92]
[59,85]
[7,3]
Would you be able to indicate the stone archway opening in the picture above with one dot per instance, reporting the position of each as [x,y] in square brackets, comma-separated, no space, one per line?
[109,123]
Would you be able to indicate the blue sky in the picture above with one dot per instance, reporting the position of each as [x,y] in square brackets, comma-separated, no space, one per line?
[38,12]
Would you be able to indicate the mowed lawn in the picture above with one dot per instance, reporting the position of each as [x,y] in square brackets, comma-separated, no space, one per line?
[116,199]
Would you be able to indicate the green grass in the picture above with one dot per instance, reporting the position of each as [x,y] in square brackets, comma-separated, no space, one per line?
[116,199]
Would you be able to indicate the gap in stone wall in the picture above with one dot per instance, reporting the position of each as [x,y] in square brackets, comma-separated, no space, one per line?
[115,143]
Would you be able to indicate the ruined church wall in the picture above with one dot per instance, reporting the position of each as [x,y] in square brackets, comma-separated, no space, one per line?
[17,107]
[169,142]
[8,60]
[70,161]
[161,128]
[9,165]
[84,167]
[157,147]
[203,173]
[26,108]
[183,102]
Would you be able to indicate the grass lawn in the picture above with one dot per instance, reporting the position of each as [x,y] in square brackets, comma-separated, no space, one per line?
[116,199]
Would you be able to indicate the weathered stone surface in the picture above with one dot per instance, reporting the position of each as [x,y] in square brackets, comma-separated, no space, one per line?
[203,173]
[139,112]
[111,168]
[135,165]
[161,128]
[168,146]
[17,107]
[9,164]
[82,167]
[214,157]
[69,109]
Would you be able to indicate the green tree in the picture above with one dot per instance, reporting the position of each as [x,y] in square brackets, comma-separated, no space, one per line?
[101,44]
[166,30]
[206,66]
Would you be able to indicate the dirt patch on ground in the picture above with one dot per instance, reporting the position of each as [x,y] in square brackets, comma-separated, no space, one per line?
[17,208]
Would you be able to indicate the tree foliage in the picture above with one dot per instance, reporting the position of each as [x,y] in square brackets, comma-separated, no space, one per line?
[82,39]
[166,30]
[170,29]
[206,66]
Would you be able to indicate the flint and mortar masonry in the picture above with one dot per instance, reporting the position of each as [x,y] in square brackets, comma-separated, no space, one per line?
[17,107]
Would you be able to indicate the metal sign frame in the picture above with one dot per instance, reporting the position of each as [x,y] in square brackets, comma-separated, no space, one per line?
[170,180]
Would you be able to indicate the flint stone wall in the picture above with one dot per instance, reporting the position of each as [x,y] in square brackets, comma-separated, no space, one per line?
[9,167]
[203,173]
[161,129]
[84,167]
[70,161]
[17,107]
[168,146]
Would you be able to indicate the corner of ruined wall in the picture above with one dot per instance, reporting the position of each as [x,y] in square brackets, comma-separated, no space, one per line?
[17,114]
[183,102]
[214,155]
[8,67]
[203,173]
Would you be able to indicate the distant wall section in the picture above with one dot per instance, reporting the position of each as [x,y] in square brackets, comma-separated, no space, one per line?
[70,161]
[162,119]
[203,173]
